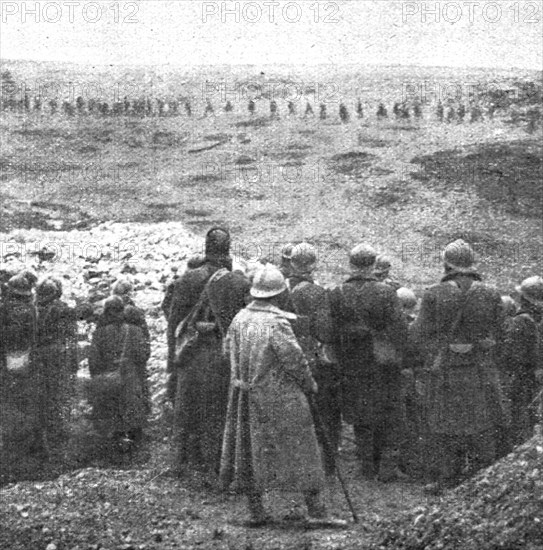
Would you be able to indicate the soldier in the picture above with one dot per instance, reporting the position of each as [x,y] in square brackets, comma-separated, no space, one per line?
[408,303]
[381,271]
[322,111]
[522,359]
[440,111]
[204,301]
[459,324]
[311,301]
[308,110]
[117,363]
[18,373]
[251,107]
[382,111]
[80,104]
[133,315]
[228,107]
[273,108]
[269,438]
[370,337]
[188,108]
[291,108]
[417,110]
[359,109]
[286,254]
[343,114]
[56,358]
[461,112]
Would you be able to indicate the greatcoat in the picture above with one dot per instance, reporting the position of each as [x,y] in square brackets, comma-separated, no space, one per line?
[461,400]
[269,439]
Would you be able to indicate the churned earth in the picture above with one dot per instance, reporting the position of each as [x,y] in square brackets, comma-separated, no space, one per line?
[88,199]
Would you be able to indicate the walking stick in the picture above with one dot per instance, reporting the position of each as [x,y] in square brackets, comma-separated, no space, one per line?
[322,428]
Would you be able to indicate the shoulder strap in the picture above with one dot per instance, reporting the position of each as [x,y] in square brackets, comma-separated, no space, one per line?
[459,315]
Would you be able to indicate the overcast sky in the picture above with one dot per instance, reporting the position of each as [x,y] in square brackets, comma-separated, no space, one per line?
[189,32]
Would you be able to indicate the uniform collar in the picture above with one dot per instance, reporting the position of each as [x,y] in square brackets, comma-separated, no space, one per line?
[454,275]
[267,307]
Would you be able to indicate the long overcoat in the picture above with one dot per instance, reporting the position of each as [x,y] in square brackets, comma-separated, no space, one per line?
[201,395]
[119,404]
[466,399]
[269,439]
[521,357]
[56,358]
[362,307]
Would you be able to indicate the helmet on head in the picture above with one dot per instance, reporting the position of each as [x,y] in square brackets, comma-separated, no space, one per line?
[121,287]
[459,256]
[303,257]
[531,289]
[113,305]
[268,282]
[49,289]
[509,305]
[382,265]
[217,243]
[286,251]
[20,285]
[362,256]
[407,297]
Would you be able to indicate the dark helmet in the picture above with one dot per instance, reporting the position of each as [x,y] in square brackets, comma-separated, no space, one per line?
[20,285]
[113,305]
[217,243]
[362,256]
[48,290]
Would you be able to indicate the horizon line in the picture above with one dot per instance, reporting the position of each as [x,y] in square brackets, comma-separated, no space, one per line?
[267,64]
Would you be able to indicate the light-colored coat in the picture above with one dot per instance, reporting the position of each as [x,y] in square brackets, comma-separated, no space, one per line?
[269,439]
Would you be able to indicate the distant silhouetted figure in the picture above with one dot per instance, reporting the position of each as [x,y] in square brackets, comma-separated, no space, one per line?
[404,112]
[396,110]
[104,109]
[68,108]
[79,104]
[160,105]
[53,104]
[322,113]
[209,109]
[173,107]
[251,107]
[382,111]
[148,107]
[37,104]
[188,108]
[27,103]
[308,109]
[476,114]
[440,111]
[126,105]
[417,110]
[228,108]
[343,113]
[291,108]
[359,109]
[273,108]
[450,114]
[461,112]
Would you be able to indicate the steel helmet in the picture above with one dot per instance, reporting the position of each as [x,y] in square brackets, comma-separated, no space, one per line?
[268,282]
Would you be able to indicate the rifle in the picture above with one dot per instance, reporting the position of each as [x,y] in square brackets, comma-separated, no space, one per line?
[322,428]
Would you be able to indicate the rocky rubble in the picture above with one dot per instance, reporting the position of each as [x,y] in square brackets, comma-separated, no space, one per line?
[501,507]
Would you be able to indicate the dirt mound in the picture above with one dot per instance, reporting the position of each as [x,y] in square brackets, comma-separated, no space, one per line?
[502,507]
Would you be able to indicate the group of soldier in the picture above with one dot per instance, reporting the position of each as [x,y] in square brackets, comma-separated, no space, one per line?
[273,365]
[39,361]
[160,107]
[267,367]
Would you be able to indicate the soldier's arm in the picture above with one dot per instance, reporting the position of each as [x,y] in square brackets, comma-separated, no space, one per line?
[424,326]
[290,356]
[518,344]
[323,326]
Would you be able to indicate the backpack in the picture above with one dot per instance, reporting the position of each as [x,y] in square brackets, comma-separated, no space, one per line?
[200,320]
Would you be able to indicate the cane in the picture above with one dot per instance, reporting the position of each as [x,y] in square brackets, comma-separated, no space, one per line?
[322,428]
